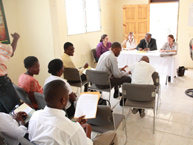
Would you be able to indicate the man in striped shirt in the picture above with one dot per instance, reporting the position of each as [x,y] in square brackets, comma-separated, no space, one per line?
[8,96]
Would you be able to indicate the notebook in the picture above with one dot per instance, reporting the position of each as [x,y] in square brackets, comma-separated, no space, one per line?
[87,105]
[27,109]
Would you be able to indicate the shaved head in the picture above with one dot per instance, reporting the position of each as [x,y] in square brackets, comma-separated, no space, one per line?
[145,58]
[56,94]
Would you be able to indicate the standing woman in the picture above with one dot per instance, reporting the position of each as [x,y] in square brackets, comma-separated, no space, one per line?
[103,46]
[130,42]
[8,96]
[170,46]
[28,82]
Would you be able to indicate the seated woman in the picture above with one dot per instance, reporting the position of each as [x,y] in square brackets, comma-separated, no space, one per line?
[103,46]
[170,46]
[28,82]
[56,69]
[130,42]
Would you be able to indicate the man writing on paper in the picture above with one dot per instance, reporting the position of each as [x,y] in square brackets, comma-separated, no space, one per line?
[147,44]
[50,126]
[142,74]
[13,127]
[108,63]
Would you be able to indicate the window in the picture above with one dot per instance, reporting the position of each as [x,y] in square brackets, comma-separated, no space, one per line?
[82,16]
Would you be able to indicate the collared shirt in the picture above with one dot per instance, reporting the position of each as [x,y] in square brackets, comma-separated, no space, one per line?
[142,73]
[131,45]
[108,63]
[52,78]
[10,126]
[166,46]
[102,49]
[6,51]
[51,127]
[68,63]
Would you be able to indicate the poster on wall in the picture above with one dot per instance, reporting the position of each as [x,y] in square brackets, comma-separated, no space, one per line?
[4,35]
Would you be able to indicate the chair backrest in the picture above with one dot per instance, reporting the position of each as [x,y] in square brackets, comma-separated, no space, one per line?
[103,117]
[22,95]
[71,74]
[98,77]
[93,52]
[8,100]
[138,92]
[24,141]
[40,100]
[155,77]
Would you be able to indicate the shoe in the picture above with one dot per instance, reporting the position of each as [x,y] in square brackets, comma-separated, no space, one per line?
[116,95]
[134,110]
[121,102]
[142,113]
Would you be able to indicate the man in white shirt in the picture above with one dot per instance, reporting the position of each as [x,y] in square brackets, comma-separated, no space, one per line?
[56,69]
[108,63]
[13,126]
[51,127]
[142,74]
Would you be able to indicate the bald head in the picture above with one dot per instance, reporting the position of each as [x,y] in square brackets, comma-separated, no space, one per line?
[56,94]
[145,58]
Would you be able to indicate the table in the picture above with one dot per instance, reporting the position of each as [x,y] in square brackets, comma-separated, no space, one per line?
[166,65]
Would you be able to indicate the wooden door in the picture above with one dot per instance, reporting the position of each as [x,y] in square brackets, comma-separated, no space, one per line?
[136,19]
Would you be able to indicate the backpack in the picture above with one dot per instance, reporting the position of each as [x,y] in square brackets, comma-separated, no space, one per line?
[181,71]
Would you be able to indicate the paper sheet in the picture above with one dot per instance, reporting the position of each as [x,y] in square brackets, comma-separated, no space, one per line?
[84,72]
[87,105]
[27,109]
[127,69]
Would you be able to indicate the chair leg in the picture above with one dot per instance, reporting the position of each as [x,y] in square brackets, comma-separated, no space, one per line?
[154,120]
[128,113]
[166,80]
[109,95]
[125,130]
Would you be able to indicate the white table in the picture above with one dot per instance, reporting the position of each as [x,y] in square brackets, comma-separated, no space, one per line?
[166,65]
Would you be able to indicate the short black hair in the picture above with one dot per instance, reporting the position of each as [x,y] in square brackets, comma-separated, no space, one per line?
[54,91]
[116,45]
[54,66]
[30,61]
[67,45]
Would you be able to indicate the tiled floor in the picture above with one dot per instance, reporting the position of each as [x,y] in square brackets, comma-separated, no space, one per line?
[174,122]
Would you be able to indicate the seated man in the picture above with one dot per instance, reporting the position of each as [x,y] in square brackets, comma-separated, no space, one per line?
[13,127]
[147,44]
[68,63]
[51,126]
[142,74]
[56,69]
[108,63]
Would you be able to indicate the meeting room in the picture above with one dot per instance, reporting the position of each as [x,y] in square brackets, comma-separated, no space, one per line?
[96,72]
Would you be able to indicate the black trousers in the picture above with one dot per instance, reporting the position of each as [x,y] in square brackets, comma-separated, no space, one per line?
[116,82]
[8,95]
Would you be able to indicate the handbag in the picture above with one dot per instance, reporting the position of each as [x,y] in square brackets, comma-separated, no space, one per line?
[104,102]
